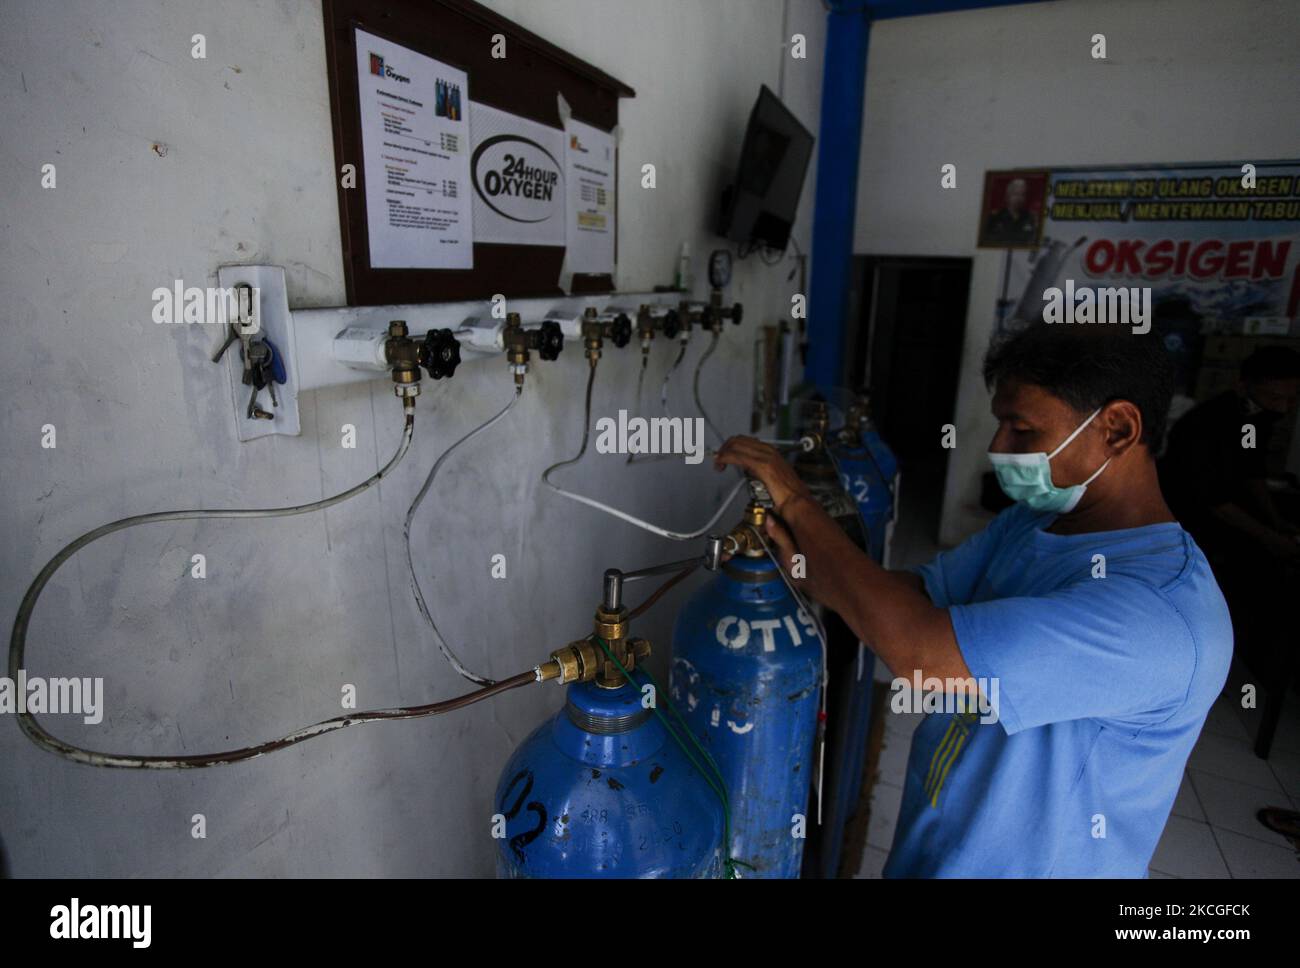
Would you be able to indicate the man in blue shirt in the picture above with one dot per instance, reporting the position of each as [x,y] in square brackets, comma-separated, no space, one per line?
[1086,616]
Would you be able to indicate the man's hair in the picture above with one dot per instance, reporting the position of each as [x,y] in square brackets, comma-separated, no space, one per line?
[1271,363]
[1089,366]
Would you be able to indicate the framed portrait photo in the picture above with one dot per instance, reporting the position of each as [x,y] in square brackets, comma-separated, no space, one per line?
[1013,209]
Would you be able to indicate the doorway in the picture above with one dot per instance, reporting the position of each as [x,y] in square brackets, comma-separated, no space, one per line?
[906,332]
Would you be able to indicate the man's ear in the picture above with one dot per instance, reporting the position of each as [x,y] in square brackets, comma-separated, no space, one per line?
[1122,422]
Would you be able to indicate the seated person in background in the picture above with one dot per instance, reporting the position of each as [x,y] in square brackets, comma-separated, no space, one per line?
[1088,617]
[1213,476]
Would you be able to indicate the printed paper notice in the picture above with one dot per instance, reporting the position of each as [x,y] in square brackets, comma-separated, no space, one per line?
[518,179]
[415,148]
[590,155]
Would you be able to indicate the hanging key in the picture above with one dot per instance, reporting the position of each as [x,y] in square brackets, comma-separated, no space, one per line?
[275,371]
[268,380]
[230,341]
[258,372]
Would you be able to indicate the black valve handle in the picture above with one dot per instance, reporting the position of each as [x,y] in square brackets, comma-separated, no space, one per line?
[550,340]
[439,353]
[672,324]
[620,330]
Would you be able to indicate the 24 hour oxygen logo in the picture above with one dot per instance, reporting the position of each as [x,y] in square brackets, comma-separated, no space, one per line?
[516,178]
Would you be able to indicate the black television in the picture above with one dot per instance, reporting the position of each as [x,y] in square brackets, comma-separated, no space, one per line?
[758,209]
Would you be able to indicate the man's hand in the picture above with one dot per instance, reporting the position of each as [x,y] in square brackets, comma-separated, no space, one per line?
[764,462]
[890,612]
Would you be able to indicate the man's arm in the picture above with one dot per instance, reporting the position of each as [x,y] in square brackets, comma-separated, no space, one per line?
[911,577]
[1276,543]
[889,611]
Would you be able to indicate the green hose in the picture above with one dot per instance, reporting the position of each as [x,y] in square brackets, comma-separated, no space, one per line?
[715,781]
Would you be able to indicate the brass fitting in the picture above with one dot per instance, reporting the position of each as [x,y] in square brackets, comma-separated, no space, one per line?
[595,330]
[740,540]
[593,334]
[645,327]
[611,626]
[403,355]
[645,323]
[854,418]
[516,344]
[547,339]
[819,421]
[688,317]
[576,662]
[715,314]
[585,661]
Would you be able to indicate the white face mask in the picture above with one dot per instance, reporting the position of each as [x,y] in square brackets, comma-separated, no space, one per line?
[1028,477]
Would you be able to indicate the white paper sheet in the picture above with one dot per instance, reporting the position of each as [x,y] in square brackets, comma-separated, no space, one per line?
[415,148]
[517,170]
[590,157]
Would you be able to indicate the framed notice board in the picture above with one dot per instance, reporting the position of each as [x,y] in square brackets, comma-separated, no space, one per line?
[472,173]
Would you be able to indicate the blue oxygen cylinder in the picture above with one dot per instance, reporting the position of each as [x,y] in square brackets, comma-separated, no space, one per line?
[746,675]
[869,473]
[602,790]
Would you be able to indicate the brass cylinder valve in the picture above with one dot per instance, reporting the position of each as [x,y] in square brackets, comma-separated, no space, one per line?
[854,420]
[547,340]
[818,425]
[714,314]
[645,329]
[403,355]
[585,661]
[741,540]
[618,330]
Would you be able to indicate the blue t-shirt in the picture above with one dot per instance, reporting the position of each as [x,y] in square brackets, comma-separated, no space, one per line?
[1103,684]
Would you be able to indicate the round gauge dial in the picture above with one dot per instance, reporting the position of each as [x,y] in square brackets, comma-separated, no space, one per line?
[720,268]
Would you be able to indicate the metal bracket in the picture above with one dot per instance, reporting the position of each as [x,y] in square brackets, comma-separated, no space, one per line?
[275,322]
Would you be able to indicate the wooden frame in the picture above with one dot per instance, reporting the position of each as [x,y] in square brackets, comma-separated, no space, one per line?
[1038,185]
[525,82]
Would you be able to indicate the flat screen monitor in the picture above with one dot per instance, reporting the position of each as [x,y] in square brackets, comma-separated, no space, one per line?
[759,208]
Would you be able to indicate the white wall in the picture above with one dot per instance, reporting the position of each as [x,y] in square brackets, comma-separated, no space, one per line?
[294,608]
[1185,81]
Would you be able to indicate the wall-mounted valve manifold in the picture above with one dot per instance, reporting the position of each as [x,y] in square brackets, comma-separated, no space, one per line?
[651,319]
[395,351]
[646,323]
[438,353]
[713,314]
[596,328]
[677,322]
[547,340]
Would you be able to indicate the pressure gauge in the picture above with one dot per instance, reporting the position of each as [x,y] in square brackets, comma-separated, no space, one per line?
[720,268]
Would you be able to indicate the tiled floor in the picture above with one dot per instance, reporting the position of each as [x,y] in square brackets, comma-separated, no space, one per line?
[1212,831]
